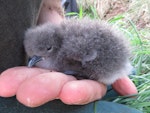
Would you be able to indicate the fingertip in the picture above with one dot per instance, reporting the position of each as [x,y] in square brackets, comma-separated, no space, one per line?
[125,86]
[6,93]
[8,84]
[82,92]
[72,93]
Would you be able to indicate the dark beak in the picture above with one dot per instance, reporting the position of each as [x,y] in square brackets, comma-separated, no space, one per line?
[34,60]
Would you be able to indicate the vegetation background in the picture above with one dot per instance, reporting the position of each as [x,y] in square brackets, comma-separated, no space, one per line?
[133,18]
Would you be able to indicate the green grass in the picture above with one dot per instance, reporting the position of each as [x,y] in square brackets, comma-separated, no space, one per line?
[140,41]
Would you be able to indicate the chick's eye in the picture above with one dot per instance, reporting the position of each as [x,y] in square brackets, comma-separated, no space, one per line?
[49,49]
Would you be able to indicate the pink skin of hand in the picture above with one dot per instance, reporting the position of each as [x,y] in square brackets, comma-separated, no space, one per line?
[34,87]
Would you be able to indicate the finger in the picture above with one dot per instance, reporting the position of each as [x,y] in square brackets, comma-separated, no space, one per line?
[11,79]
[42,88]
[125,86]
[82,92]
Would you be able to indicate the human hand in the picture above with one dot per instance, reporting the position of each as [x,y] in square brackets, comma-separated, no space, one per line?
[34,87]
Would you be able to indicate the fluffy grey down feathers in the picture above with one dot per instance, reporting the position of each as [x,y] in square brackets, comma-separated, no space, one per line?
[92,48]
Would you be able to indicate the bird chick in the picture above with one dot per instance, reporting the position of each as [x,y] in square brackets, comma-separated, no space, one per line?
[89,48]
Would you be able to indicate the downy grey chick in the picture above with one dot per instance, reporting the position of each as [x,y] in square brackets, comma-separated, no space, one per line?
[89,49]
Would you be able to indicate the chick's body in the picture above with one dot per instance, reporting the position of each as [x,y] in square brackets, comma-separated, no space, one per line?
[93,49]
[101,52]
